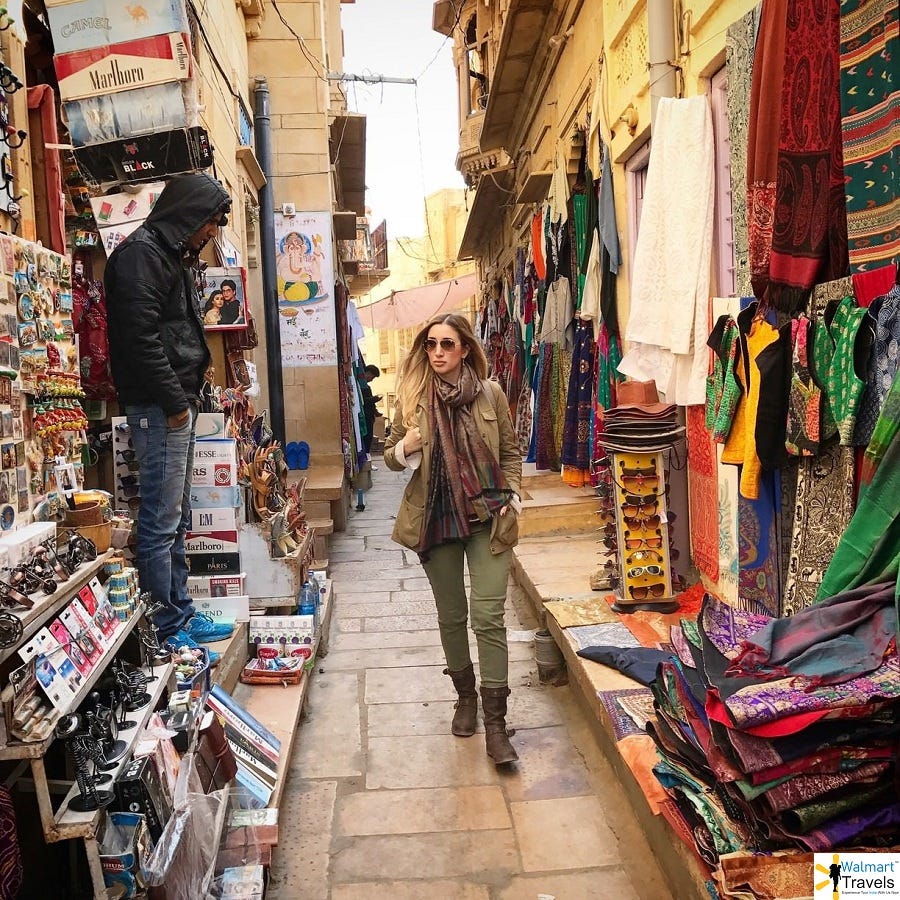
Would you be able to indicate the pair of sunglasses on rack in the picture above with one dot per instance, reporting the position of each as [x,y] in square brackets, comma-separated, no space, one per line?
[638,571]
[642,592]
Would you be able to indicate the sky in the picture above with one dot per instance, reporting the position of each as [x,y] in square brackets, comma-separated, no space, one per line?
[394,38]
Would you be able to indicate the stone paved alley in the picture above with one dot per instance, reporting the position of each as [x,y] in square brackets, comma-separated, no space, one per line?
[383,802]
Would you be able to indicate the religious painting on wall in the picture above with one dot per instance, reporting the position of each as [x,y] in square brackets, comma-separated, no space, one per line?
[305,268]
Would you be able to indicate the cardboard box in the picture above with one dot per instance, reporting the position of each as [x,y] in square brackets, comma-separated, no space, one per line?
[290,635]
[204,521]
[200,586]
[211,542]
[225,608]
[21,543]
[127,66]
[214,563]
[138,790]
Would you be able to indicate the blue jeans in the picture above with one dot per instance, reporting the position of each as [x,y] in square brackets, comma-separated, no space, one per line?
[166,456]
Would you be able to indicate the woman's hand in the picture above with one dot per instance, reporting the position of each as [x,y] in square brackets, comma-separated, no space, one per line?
[412,441]
[504,510]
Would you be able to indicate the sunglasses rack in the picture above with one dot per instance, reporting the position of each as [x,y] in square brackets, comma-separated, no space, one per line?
[126,470]
[642,527]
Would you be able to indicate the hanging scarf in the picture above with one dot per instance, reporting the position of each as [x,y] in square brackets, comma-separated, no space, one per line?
[466,484]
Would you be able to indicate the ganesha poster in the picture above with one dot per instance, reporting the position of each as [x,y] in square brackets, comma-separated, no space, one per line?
[304,265]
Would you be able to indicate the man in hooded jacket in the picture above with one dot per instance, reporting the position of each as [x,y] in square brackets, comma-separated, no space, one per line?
[158,355]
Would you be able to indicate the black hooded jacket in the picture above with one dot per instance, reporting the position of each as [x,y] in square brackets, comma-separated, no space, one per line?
[157,347]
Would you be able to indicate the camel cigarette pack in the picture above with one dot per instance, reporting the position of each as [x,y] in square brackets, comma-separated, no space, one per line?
[82,24]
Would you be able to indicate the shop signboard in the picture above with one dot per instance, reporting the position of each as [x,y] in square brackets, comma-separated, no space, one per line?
[146,158]
[82,24]
[123,67]
[304,266]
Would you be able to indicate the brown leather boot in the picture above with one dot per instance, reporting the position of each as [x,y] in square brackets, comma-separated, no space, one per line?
[465,717]
[496,737]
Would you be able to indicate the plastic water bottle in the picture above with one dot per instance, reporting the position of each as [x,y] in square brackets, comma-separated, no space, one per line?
[307,599]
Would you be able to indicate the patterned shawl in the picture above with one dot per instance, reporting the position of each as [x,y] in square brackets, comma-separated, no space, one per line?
[466,481]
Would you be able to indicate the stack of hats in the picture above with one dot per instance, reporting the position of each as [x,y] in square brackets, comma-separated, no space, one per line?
[640,422]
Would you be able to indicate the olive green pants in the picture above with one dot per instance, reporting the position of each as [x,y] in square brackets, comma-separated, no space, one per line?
[489,574]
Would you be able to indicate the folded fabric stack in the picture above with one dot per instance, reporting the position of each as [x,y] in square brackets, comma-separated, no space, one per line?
[783,733]
[640,422]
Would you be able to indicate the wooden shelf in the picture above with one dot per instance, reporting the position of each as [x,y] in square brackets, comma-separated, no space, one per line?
[71,824]
[48,605]
[278,707]
[36,749]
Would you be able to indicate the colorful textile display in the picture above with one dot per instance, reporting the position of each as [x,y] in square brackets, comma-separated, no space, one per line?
[576,445]
[762,150]
[842,383]
[758,756]
[702,494]
[822,510]
[809,235]
[884,360]
[670,280]
[740,44]
[870,128]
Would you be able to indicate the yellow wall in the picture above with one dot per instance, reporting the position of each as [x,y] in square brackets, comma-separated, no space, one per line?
[301,100]
[225,47]
[415,261]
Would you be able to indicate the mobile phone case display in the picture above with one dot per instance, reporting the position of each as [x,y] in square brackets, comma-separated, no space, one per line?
[642,527]
[126,468]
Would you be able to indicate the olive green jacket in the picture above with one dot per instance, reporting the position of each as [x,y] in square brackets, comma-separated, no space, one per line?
[491,412]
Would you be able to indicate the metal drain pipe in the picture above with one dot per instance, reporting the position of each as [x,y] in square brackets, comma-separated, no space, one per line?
[263,134]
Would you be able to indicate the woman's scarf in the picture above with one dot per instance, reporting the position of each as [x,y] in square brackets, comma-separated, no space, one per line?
[466,481]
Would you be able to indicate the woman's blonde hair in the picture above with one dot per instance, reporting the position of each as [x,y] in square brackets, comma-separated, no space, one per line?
[416,373]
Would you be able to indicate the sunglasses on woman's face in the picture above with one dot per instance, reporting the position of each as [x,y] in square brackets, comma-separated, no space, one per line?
[642,592]
[446,344]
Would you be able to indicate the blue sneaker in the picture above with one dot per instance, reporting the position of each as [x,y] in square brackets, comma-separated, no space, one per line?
[182,639]
[204,630]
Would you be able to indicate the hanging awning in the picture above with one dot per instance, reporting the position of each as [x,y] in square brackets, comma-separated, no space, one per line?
[406,309]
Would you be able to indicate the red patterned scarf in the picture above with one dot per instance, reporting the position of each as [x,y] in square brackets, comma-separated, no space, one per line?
[466,483]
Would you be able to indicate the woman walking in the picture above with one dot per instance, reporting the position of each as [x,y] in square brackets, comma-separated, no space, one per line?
[453,429]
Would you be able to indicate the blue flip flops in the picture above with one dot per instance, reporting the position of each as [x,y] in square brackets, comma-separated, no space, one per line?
[303,455]
[290,455]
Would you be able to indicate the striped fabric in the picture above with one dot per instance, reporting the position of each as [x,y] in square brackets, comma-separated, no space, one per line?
[870,123]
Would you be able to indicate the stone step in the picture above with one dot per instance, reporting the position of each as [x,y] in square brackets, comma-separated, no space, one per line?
[575,514]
